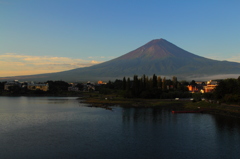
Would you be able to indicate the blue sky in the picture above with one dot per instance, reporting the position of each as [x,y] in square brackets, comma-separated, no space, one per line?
[38,36]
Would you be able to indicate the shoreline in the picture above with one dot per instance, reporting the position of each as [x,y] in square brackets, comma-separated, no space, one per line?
[107,102]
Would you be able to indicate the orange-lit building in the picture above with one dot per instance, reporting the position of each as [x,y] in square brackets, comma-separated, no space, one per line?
[101,82]
[192,88]
[43,87]
[202,87]
[211,85]
[209,88]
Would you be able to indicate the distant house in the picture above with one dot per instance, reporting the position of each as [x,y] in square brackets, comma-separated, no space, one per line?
[192,88]
[89,86]
[209,88]
[10,84]
[197,87]
[211,85]
[43,87]
[72,88]
[101,82]
[213,82]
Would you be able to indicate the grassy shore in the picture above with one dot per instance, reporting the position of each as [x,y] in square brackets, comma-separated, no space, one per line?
[106,101]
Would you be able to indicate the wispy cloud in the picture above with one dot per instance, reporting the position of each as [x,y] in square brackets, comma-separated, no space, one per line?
[12,64]
[101,57]
[235,58]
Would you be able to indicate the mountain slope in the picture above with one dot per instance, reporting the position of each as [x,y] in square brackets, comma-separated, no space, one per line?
[158,57]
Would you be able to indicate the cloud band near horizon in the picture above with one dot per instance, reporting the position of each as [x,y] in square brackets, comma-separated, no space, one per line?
[13,64]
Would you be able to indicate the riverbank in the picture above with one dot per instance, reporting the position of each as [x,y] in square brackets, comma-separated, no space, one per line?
[106,101]
[41,94]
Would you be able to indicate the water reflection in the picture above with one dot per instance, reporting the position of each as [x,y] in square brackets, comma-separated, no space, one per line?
[227,124]
[137,115]
[65,128]
[145,114]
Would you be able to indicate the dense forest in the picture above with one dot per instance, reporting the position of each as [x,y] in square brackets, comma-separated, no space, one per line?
[155,87]
[228,91]
[148,87]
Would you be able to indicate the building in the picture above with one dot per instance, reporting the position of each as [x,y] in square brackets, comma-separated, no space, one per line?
[211,85]
[89,87]
[43,87]
[10,84]
[197,87]
[72,88]
[213,82]
[192,88]
[101,82]
[209,88]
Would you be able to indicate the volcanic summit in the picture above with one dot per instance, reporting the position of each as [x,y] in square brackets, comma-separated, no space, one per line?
[158,57]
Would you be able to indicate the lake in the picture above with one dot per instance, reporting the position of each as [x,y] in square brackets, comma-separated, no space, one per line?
[62,127]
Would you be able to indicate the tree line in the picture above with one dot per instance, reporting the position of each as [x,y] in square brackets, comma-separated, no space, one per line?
[149,87]
[228,91]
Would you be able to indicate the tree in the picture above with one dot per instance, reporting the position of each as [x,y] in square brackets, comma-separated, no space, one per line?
[128,84]
[2,85]
[159,82]
[144,82]
[238,80]
[124,83]
[197,97]
[14,88]
[232,86]
[154,81]
[164,86]
[135,88]
[118,84]
[227,86]
[109,85]
[185,83]
[219,91]
[174,80]
[80,86]
[57,86]
[193,83]
[150,83]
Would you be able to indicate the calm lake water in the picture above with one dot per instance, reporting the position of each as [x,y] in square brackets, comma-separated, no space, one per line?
[61,127]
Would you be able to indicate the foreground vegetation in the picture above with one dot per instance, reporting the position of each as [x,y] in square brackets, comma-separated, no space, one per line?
[227,91]
[147,92]
[106,101]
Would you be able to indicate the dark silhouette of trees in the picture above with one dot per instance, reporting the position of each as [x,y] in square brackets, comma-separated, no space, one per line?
[2,85]
[144,83]
[135,87]
[154,81]
[159,82]
[193,83]
[80,86]
[124,83]
[175,83]
[228,90]
[164,86]
[145,87]
[128,85]
[57,87]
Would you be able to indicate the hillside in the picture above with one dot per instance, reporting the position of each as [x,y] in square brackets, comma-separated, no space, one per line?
[158,57]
